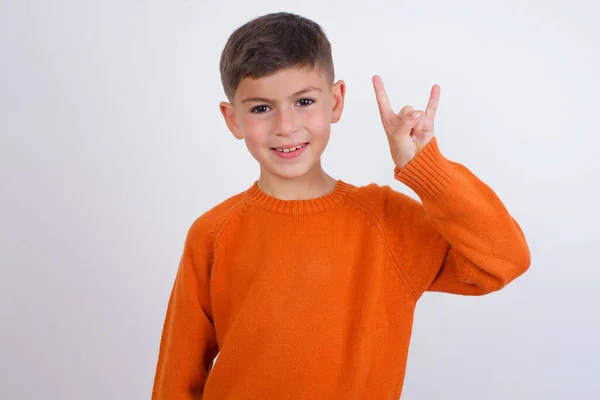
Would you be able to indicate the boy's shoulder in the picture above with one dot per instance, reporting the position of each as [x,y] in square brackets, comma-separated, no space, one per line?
[211,221]
[382,198]
[391,209]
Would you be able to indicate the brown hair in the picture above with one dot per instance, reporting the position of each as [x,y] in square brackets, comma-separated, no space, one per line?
[273,42]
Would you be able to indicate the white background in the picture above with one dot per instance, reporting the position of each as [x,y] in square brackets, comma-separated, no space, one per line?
[111,144]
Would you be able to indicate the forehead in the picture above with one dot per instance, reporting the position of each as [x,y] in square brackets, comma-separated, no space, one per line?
[281,84]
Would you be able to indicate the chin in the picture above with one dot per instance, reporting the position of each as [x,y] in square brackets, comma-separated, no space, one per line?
[290,173]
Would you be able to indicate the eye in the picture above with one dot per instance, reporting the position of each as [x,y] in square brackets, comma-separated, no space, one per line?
[259,109]
[306,102]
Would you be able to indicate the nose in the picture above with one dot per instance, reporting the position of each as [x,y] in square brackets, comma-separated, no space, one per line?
[286,122]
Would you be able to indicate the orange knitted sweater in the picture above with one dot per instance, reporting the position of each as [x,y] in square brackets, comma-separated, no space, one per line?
[314,299]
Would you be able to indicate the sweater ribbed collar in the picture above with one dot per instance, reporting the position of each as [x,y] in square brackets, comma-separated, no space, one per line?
[299,207]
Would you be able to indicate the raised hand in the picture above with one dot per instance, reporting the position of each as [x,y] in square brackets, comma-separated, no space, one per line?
[410,130]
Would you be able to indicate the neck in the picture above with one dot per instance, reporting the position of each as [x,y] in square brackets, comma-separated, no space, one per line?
[315,183]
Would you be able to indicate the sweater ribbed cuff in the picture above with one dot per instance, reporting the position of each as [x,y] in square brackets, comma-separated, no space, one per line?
[428,173]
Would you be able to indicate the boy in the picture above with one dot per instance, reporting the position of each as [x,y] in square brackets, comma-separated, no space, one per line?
[306,285]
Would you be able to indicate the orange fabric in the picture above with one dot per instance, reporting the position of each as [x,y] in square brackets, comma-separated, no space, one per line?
[314,299]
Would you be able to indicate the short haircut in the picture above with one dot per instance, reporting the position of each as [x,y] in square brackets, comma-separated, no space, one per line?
[273,42]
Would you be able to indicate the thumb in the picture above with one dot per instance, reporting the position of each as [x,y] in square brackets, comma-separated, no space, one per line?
[408,119]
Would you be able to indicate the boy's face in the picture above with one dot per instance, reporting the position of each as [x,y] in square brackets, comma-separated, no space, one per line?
[293,108]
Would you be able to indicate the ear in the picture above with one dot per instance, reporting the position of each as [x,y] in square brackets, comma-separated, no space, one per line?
[339,93]
[229,114]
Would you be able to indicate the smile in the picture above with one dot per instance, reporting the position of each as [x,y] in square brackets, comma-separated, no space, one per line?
[290,149]
[290,152]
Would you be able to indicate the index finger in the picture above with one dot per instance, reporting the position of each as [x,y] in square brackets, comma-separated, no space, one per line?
[385,108]
[434,99]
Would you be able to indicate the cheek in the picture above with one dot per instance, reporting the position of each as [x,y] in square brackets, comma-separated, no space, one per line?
[252,126]
[255,133]
[320,122]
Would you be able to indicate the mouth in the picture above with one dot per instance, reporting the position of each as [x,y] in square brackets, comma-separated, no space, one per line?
[290,148]
[289,152]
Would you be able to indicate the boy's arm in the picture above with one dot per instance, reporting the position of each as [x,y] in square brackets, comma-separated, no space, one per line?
[188,345]
[461,239]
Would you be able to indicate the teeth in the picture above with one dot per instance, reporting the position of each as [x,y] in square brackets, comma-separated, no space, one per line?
[290,149]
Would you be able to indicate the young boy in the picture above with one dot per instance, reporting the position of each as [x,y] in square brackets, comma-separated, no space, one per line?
[304,285]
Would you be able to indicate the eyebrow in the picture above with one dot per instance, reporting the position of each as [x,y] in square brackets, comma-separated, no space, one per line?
[301,92]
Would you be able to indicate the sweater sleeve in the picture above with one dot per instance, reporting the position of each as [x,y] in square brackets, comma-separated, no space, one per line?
[460,239]
[188,345]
